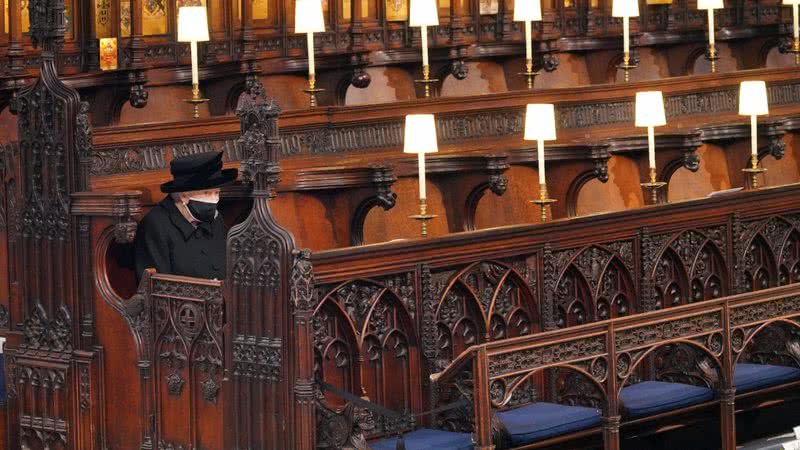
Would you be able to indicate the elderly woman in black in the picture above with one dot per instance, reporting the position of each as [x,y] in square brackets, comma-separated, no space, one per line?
[185,234]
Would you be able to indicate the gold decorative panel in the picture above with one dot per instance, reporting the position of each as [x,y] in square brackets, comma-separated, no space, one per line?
[102,18]
[347,6]
[154,17]
[365,9]
[108,54]
[5,16]
[24,20]
[396,10]
[125,19]
[260,9]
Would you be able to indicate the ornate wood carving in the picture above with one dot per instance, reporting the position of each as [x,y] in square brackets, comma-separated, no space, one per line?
[593,283]
[49,246]
[686,267]
[453,128]
[259,304]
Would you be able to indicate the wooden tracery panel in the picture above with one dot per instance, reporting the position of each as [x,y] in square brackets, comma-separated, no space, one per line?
[366,343]
[685,267]
[593,283]
[485,301]
[769,252]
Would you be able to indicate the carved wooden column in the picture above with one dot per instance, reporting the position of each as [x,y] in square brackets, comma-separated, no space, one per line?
[137,47]
[269,373]
[248,35]
[91,44]
[304,301]
[54,368]
[482,404]
[727,389]
[611,417]
[16,49]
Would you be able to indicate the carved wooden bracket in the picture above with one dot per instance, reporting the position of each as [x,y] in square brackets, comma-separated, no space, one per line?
[673,151]
[770,135]
[464,180]
[125,207]
[366,187]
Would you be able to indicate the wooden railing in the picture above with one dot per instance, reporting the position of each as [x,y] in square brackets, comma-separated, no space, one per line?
[608,352]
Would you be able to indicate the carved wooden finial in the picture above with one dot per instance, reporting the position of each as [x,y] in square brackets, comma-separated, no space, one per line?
[47,25]
[260,141]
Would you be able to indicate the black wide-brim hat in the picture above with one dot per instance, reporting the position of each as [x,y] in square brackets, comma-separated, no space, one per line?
[198,172]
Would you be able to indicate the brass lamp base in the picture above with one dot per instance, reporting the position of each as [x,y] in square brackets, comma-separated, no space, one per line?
[196,101]
[529,74]
[712,57]
[627,66]
[796,50]
[423,217]
[312,96]
[426,80]
[754,171]
[543,201]
[653,186]
[312,90]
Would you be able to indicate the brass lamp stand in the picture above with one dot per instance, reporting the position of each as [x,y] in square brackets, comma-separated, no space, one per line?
[627,66]
[713,57]
[543,201]
[312,90]
[529,73]
[426,80]
[423,217]
[196,101]
[653,186]
[754,171]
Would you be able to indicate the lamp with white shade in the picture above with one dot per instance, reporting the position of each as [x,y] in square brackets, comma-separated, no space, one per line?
[420,138]
[650,114]
[193,28]
[626,9]
[710,6]
[423,14]
[795,29]
[540,126]
[528,11]
[308,19]
[753,102]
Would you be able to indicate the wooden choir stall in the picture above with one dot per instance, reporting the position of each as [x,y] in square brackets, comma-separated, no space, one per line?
[631,299]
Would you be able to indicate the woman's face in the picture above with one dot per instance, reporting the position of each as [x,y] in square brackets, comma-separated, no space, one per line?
[206,196]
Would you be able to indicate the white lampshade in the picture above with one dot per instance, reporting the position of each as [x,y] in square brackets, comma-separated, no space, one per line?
[625,8]
[540,122]
[710,4]
[420,134]
[650,109]
[423,13]
[192,24]
[525,10]
[753,98]
[308,16]
[791,2]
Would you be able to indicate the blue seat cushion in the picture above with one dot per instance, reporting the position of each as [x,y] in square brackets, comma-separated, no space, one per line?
[427,439]
[749,377]
[542,420]
[653,397]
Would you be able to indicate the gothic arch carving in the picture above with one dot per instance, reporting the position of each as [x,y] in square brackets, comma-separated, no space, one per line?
[686,267]
[594,283]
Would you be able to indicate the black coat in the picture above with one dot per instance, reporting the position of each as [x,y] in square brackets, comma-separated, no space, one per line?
[167,242]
